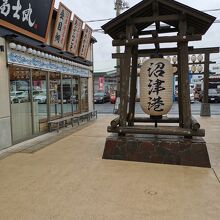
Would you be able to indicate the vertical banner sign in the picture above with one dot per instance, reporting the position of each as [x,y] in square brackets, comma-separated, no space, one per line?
[61,28]
[85,42]
[156,79]
[25,17]
[75,35]
[101,83]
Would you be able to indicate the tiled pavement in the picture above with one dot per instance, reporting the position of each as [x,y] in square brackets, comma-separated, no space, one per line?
[69,180]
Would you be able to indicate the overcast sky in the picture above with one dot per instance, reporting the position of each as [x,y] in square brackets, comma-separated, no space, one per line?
[100,9]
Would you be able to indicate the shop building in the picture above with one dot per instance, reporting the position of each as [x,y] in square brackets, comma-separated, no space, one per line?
[46,68]
[105,81]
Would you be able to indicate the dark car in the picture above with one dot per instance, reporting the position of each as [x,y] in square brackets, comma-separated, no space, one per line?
[101,97]
[74,99]
[213,96]
[66,92]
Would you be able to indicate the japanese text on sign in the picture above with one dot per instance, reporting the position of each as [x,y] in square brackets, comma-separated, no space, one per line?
[156,79]
[20,13]
[156,85]
[85,43]
[61,27]
[75,35]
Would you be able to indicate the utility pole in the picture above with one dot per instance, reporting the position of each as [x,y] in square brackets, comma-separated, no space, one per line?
[119,6]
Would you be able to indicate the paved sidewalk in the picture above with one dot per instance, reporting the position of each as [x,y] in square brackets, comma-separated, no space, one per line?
[68,180]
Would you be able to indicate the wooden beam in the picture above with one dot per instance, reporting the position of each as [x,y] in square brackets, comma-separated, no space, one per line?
[205,107]
[155,33]
[210,62]
[149,52]
[183,78]
[195,124]
[167,52]
[115,122]
[160,31]
[162,18]
[133,85]
[206,78]
[124,80]
[151,120]
[151,40]
[206,50]
[163,130]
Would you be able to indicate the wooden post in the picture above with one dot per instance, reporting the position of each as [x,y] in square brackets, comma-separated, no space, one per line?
[205,107]
[183,78]
[184,86]
[179,90]
[125,68]
[133,86]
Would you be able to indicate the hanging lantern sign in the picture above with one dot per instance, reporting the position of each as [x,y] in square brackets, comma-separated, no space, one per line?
[200,57]
[156,86]
[193,58]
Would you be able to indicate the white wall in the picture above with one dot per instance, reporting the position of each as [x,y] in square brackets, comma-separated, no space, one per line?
[5,124]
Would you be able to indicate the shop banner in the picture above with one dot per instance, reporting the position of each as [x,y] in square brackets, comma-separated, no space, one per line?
[101,83]
[75,35]
[61,28]
[31,18]
[31,61]
[85,42]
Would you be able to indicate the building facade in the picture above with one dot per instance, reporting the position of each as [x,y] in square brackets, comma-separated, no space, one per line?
[105,81]
[42,78]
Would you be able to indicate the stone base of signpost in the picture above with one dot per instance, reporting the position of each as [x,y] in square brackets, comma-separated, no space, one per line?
[157,149]
[205,109]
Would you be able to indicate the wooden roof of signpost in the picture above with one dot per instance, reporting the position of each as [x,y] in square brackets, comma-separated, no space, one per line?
[197,22]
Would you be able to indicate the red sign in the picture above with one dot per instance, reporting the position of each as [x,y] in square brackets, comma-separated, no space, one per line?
[101,83]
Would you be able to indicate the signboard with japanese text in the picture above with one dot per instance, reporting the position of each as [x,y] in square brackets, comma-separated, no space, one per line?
[61,27]
[101,83]
[25,17]
[156,86]
[75,36]
[85,41]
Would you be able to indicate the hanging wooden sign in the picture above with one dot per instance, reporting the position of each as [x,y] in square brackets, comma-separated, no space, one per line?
[156,86]
[75,35]
[85,42]
[61,27]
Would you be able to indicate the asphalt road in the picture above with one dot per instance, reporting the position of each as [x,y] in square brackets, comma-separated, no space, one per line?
[107,108]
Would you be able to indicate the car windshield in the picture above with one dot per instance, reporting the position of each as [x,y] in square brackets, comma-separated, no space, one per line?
[39,93]
[16,93]
[99,94]
[212,91]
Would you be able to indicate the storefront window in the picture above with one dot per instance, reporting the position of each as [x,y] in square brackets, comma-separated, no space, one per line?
[84,94]
[21,113]
[55,100]
[39,95]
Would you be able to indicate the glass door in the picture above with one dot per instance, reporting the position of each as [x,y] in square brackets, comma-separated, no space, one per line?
[55,96]
[39,97]
[21,113]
